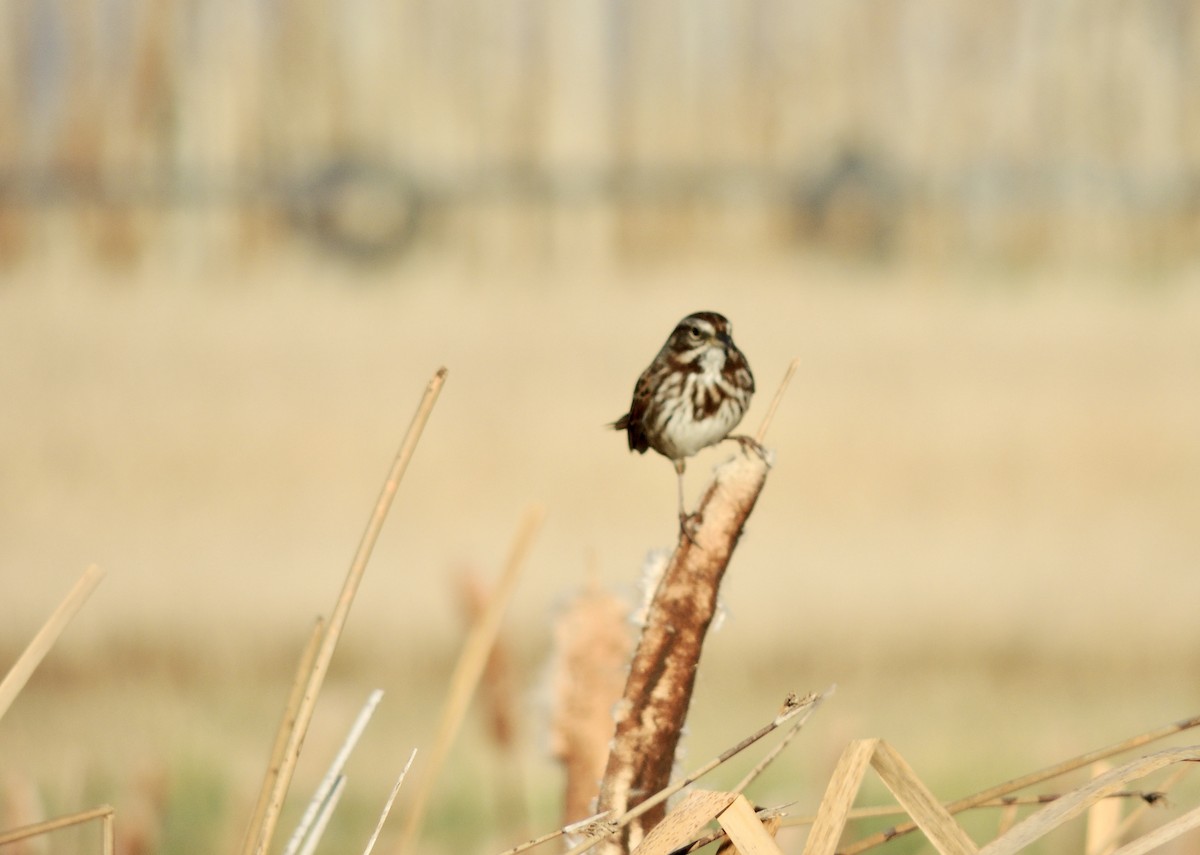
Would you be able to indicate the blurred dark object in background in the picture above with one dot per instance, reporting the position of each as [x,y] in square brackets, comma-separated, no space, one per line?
[1026,132]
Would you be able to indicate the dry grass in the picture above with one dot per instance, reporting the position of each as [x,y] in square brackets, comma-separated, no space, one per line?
[18,674]
[593,641]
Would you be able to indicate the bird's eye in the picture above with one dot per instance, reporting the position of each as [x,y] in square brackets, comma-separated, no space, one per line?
[694,332]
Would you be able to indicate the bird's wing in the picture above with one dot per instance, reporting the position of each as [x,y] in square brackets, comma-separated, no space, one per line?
[631,423]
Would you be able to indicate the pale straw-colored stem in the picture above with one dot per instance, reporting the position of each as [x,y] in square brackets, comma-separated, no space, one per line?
[1029,780]
[770,756]
[878,811]
[467,672]
[1118,834]
[18,675]
[332,775]
[387,807]
[324,813]
[286,723]
[103,813]
[341,611]
[770,416]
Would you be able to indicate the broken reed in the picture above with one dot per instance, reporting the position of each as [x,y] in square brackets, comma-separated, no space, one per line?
[592,645]
[681,830]
[468,671]
[295,726]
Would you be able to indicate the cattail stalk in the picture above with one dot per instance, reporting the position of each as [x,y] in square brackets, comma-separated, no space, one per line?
[651,714]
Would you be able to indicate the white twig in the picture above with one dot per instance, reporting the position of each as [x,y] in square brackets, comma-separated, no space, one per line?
[331,776]
[326,811]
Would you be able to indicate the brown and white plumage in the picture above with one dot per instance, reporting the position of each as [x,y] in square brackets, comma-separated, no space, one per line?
[693,394]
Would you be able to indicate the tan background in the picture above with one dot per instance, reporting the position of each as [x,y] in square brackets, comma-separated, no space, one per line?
[982,521]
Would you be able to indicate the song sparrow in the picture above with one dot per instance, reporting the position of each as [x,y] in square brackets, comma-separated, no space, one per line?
[692,395]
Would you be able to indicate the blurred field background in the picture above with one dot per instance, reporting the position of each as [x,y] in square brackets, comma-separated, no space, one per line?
[236,239]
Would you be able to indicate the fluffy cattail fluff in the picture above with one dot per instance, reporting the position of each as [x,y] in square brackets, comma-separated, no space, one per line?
[496,687]
[592,645]
[653,567]
[498,698]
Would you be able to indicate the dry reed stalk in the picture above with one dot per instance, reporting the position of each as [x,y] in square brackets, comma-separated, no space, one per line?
[387,806]
[496,685]
[937,823]
[935,820]
[333,778]
[1008,818]
[103,813]
[774,405]
[1077,801]
[324,812]
[653,709]
[468,670]
[1164,834]
[771,755]
[263,833]
[286,724]
[684,822]
[741,827]
[793,707]
[840,792]
[1147,797]
[748,835]
[592,643]
[594,829]
[498,699]
[928,813]
[912,794]
[1107,847]
[1030,779]
[1103,818]
[18,675]
[770,824]
[771,819]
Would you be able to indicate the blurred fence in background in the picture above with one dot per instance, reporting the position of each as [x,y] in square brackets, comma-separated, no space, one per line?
[1018,131]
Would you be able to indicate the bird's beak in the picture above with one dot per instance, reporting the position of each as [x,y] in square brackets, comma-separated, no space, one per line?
[725,340]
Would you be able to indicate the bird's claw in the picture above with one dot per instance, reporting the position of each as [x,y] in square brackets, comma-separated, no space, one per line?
[685,521]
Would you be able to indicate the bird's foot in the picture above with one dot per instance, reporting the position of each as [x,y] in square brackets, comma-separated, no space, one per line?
[685,527]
